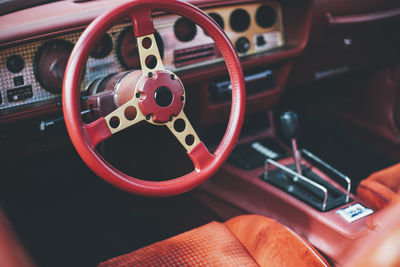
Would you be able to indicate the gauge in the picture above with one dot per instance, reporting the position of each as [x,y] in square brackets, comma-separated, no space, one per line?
[102,47]
[218,19]
[15,63]
[50,62]
[185,30]
[127,49]
[265,16]
[239,20]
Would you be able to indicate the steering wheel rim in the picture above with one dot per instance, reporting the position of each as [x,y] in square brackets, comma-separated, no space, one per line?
[85,137]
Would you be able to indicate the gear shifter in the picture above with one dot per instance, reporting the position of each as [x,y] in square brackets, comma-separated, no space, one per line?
[289,122]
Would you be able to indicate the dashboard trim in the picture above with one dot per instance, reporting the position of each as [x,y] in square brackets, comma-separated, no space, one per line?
[163,23]
[362,18]
[297,20]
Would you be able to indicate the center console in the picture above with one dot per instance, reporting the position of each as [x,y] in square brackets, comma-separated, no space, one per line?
[293,186]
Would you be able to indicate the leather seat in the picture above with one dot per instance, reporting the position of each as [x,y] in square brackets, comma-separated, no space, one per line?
[382,246]
[248,240]
[12,252]
[380,188]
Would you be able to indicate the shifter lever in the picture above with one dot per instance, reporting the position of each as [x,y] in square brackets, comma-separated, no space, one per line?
[289,122]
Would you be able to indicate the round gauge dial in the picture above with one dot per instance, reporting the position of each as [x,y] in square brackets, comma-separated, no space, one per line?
[239,20]
[102,47]
[15,63]
[185,30]
[218,19]
[50,62]
[127,49]
[265,16]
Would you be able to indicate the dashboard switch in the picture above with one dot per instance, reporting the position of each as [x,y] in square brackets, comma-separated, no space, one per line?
[18,80]
[242,45]
[19,93]
[260,40]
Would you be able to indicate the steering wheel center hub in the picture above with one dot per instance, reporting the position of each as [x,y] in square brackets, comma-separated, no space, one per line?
[162,96]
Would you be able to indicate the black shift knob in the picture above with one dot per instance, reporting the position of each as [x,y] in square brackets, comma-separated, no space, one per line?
[290,124]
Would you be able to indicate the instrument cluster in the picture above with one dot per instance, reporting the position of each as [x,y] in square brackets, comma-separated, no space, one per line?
[34,72]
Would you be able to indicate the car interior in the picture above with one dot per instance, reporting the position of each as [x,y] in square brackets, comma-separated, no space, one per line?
[200,133]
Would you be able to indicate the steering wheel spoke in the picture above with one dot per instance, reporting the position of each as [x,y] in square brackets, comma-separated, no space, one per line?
[149,54]
[187,136]
[200,156]
[97,131]
[126,115]
[183,131]
[142,20]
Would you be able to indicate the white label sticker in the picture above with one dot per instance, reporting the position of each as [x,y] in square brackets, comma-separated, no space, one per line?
[354,212]
[267,40]
[264,150]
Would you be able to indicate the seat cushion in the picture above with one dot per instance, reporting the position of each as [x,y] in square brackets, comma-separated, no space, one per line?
[272,244]
[380,188]
[217,244]
[209,245]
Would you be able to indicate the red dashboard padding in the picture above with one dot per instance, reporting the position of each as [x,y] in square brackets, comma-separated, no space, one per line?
[381,187]
[248,240]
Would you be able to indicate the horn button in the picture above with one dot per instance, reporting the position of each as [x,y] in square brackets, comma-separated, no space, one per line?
[161,96]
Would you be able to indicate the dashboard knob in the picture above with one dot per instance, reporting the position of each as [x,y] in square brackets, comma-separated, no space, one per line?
[242,45]
[15,63]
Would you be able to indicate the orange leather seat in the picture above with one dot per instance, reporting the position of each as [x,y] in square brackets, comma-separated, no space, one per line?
[381,188]
[248,240]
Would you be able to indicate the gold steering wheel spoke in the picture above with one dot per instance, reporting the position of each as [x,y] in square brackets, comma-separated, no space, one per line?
[126,115]
[149,54]
[183,131]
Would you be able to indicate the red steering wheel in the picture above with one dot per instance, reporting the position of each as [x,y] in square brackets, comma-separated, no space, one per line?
[147,103]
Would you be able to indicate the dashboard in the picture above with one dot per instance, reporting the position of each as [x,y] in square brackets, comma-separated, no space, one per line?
[32,73]
[294,43]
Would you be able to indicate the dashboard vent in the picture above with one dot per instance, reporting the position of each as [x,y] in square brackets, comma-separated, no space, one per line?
[183,57]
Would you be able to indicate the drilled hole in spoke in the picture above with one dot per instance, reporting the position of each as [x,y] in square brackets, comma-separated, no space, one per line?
[189,140]
[151,61]
[146,43]
[179,125]
[130,113]
[114,122]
